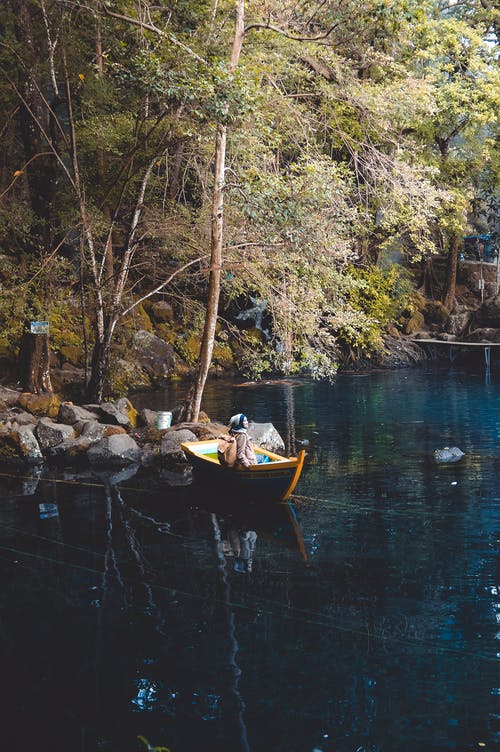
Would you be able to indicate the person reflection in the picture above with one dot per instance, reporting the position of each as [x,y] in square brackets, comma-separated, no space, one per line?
[240,545]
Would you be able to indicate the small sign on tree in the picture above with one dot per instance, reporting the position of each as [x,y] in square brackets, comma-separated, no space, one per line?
[39,327]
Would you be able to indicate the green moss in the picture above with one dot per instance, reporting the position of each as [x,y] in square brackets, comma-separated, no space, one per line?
[222,355]
[72,354]
[9,450]
[125,376]
[40,404]
[167,333]
[188,348]
[137,319]
[414,323]
[436,312]
[253,335]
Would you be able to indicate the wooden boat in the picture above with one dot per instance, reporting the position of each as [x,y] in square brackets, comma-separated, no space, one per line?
[275,479]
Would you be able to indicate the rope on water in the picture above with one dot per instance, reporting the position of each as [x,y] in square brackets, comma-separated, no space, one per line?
[305,616]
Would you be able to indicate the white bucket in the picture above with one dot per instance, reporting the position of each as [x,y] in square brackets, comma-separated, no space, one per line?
[164,420]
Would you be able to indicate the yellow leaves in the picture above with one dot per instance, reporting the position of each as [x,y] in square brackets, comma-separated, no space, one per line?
[81,76]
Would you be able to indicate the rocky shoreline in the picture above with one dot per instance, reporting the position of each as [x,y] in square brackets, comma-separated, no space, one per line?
[42,430]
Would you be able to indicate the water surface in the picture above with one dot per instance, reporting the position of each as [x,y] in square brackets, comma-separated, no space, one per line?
[365,616]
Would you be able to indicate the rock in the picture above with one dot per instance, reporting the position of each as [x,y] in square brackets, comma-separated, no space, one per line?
[435,312]
[22,418]
[67,375]
[202,431]
[8,397]
[29,446]
[458,323]
[70,451]
[176,414]
[70,413]
[490,312]
[266,436]
[125,376]
[126,407]
[117,450]
[445,337]
[51,434]
[448,455]
[414,323]
[150,454]
[115,415]
[399,352]
[486,334]
[170,447]
[162,311]
[20,445]
[154,355]
[40,404]
[148,417]
[95,431]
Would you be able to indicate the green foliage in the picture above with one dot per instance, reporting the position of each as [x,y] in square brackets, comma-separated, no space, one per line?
[381,135]
[376,297]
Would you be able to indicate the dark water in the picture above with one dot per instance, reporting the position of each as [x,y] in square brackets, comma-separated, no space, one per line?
[363,617]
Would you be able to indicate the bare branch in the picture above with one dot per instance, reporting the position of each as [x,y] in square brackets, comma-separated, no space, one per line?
[20,172]
[155,30]
[164,284]
[42,131]
[283,33]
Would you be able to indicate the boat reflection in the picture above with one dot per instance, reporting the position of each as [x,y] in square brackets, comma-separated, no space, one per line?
[242,524]
[239,545]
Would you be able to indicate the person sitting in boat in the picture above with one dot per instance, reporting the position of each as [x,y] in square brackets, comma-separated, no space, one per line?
[245,454]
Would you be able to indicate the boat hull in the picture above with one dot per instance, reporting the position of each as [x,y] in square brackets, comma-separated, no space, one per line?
[274,479]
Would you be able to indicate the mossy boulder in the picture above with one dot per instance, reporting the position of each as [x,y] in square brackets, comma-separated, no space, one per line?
[126,376]
[188,347]
[414,323]
[223,355]
[71,354]
[155,357]
[167,333]
[161,311]
[8,397]
[254,335]
[40,404]
[435,312]
[125,406]
[20,445]
[137,319]
[9,447]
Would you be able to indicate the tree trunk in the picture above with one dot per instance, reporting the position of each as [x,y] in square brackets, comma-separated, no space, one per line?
[428,279]
[34,362]
[451,273]
[173,187]
[193,400]
[99,370]
[33,116]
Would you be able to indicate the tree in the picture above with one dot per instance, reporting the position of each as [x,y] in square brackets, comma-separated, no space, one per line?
[193,402]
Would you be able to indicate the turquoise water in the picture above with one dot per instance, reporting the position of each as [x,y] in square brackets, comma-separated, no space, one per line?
[363,617]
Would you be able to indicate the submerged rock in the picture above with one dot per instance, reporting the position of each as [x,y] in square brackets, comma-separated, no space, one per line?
[448,454]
